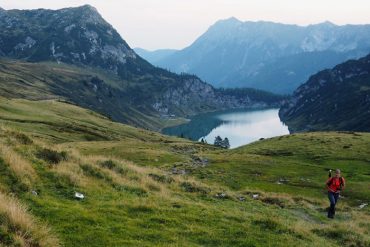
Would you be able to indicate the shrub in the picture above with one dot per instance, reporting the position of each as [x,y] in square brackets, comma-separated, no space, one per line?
[189,187]
[273,201]
[51,156]
[131,190]
[141,209]
[271,225]
[5,237]
[95,172]
[22,138]
[161,178]
[111,165]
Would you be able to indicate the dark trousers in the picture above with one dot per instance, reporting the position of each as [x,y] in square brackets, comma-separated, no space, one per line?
[333,198]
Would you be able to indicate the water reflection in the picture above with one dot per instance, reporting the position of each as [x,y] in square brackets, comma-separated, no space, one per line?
[241,127]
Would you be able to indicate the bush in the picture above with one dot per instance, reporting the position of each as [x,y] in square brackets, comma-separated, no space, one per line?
[95,172]
[189,187]
[142,209]
[5,237]
[274,201]
[271,225]
[111,165]
[131,190]
[161,178]
[51,156]
[22,138]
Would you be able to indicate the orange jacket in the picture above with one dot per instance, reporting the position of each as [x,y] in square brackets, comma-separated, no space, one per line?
[335,184]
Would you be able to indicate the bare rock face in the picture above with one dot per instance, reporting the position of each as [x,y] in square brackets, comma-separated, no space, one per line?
[72,35]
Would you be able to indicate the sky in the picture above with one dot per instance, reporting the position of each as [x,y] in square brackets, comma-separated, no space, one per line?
[175,24]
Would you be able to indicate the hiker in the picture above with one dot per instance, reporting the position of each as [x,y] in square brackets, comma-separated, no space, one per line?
[334,185]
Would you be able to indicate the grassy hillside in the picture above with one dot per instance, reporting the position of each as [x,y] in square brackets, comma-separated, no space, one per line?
[90,88]
[145,189]
[143,101]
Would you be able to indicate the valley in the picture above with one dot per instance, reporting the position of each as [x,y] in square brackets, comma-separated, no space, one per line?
[98,147]
[74,54]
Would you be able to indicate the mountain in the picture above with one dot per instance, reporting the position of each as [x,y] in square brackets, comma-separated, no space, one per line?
[154,56]
[266,55]
[74,54]
[141,188]
[333,99]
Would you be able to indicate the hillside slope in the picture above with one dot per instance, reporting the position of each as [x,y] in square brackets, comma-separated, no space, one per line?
[143,188]
[265,55]
[336,99]
[91,65]
[138,102]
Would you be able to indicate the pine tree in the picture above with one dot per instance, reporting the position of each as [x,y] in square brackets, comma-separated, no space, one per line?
[218,141]
[226,143]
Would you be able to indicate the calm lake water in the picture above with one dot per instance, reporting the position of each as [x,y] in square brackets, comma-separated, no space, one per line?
[241,126]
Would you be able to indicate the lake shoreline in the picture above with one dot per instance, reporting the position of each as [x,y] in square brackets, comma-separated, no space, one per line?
[240,126]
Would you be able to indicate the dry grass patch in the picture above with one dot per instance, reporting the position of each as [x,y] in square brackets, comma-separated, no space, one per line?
[21,167]
[19,228]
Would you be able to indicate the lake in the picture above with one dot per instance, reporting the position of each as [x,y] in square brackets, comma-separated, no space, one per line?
[239,126]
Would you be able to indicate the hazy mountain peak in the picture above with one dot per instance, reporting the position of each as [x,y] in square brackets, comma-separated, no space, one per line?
[231,20]
[326,24]
[227,23]
[85,8]
[256,53]
[85,14]
[88,7]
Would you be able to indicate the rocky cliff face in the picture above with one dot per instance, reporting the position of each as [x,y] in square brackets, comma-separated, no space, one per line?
[72,35]
[81,37]
[336,99]
[203,97]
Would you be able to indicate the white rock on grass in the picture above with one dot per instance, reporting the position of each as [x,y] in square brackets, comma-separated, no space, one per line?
[79,195]
[363,205]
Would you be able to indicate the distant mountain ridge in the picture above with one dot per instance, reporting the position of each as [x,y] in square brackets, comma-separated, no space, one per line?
[266,55]
[335,99]
[98,70]
[154,56]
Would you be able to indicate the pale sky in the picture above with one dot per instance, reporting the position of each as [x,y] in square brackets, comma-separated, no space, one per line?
[155,24]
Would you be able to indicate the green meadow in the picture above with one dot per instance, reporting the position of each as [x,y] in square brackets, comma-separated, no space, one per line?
[142,188]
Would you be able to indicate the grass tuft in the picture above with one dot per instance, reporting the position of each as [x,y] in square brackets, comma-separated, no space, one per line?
[17,226]
[51,156]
